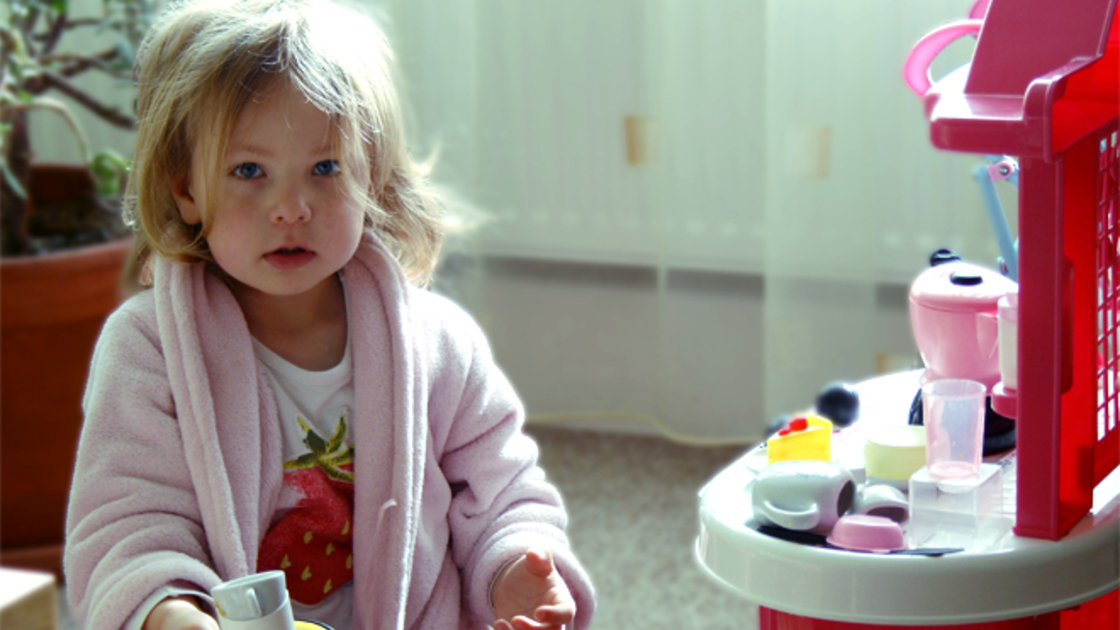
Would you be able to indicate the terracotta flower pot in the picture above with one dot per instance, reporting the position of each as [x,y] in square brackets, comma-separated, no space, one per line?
[53,307]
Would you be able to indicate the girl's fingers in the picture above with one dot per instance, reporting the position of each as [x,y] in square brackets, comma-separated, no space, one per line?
[540,562]
[525,623]
[556,615]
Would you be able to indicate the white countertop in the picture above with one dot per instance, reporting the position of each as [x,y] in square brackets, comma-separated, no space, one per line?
[1016,577]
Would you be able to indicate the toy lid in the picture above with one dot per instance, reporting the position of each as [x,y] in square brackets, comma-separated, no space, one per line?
[960,287]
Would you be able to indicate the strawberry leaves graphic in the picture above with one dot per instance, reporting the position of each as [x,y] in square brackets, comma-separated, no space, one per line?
[327,455]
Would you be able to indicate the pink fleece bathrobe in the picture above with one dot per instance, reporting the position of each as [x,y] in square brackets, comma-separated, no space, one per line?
[179,464]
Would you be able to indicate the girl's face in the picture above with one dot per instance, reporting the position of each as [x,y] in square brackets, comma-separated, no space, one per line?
[282,223]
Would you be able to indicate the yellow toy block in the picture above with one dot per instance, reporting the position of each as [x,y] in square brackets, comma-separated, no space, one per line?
[808,437]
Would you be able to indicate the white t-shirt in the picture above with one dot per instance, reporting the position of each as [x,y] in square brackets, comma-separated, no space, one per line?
[310,533]
[310,537]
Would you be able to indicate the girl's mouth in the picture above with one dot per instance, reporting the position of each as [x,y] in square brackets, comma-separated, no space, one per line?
[289,257]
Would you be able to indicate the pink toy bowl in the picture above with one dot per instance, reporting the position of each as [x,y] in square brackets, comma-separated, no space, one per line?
[953,315]
[863,532]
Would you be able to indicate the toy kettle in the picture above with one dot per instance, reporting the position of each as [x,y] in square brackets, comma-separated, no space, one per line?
[953,313]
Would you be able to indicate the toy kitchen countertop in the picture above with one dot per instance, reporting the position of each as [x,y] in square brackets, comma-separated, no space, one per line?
[1013,577]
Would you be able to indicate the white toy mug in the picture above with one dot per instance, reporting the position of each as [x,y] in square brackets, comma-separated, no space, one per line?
[802,495]
[254,602]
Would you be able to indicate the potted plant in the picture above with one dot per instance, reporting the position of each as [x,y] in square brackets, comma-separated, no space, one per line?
[64,247]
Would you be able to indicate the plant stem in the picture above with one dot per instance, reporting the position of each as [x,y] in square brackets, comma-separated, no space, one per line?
[106,113]
[57,26]
[28,27]
[72,65]
[14,206]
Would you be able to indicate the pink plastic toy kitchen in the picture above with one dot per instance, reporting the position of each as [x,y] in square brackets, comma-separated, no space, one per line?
[1043,86]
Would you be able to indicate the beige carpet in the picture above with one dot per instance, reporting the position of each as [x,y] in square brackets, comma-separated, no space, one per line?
[632,504]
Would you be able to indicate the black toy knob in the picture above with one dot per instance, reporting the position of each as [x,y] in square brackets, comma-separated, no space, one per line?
[965,278]
[839,402]
[942,256]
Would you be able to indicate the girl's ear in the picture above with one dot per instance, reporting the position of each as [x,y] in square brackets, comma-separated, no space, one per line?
[189,209]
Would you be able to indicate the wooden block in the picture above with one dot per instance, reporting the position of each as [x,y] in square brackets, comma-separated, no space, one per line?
[27,600]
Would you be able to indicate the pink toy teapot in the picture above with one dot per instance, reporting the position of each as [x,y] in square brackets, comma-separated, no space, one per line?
[953,307]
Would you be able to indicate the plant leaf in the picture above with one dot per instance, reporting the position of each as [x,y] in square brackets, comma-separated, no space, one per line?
[110,171]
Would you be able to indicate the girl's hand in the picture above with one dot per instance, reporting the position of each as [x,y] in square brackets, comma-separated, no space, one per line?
[179,613]
[529,594]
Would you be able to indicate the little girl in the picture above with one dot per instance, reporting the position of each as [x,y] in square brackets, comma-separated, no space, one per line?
[284,396]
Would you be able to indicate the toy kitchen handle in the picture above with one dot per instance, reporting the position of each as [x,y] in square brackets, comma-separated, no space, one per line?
[802,520]
[916,69]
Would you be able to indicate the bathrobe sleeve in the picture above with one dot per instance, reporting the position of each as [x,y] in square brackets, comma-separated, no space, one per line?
[134,523]
[502,505]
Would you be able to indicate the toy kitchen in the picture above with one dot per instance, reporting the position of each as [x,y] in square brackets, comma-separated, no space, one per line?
[982,491]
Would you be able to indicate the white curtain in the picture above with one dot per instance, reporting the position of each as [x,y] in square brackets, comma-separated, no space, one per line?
[778,140]
[855,193]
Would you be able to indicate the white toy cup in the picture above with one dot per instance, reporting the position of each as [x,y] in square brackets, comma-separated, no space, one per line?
[254,602]
[802,495]
[954,419]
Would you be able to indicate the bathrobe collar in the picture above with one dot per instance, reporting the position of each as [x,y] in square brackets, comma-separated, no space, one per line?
[236,464]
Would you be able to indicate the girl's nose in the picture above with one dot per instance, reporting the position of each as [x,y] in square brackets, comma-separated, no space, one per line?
[291,208]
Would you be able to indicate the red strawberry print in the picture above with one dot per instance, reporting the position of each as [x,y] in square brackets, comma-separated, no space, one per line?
[312,543]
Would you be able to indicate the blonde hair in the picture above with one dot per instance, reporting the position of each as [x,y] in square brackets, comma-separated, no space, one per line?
[205,60]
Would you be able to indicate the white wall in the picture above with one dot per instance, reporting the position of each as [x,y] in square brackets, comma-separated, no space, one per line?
[632,348]
[762,248]
[779,133]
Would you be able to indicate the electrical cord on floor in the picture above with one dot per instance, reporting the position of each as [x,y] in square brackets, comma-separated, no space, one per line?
[661,427]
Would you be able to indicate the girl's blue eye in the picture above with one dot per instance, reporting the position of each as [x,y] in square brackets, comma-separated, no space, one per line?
[248,170]
[327,167]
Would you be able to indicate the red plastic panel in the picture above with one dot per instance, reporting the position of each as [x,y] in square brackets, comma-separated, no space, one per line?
[1107,451]
[1043,275]
[1024,34]
[1079,401]
[1090,96]
[1102,613]
[1068,335]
